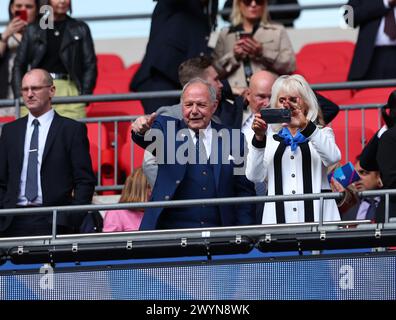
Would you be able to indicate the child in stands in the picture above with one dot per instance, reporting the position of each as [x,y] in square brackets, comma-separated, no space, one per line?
[136,189]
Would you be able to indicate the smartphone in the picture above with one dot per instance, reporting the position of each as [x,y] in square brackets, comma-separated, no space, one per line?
[345,175]
[21,14]
[244,34]
[271,115]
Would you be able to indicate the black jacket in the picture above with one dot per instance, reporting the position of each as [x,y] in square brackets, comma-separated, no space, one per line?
[77,54]
[4,75]
[179,31]
[66,173]
[367,15]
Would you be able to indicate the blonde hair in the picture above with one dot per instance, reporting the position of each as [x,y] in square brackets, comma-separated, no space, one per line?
[237,18]
[136,188]
[296,84]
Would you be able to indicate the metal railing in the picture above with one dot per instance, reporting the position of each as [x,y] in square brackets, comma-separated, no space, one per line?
[318,231]
[272,8]
[114,145]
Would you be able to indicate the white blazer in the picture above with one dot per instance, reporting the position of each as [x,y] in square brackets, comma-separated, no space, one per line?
[261,167]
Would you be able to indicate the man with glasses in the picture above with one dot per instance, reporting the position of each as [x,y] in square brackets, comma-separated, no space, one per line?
[44,161]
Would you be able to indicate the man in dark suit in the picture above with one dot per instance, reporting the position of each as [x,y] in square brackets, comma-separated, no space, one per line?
[375,52]
[194,162]
[387,167]
[180,30]
[44,161]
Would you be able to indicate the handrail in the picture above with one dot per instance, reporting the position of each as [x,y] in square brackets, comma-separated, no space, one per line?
[272,8]
[195,202]
[176,93]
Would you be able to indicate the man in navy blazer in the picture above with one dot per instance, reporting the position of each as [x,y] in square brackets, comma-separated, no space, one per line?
[375,52]
[195,163]
[62,164]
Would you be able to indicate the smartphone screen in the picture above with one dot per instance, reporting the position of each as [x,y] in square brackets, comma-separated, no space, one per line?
[244,35]
[21,14]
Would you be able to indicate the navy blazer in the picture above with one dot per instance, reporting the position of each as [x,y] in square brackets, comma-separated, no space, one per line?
[367,15]
[66,170]
[227,183]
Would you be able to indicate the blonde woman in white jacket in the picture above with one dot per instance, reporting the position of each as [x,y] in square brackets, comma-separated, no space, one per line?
[292,158]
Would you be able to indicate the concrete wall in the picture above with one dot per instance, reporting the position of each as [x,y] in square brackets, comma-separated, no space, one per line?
[132,49]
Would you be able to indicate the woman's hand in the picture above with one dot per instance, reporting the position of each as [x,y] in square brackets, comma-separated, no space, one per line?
[16,25]
[252,47]
[297,109]
[239,51]
[259,127]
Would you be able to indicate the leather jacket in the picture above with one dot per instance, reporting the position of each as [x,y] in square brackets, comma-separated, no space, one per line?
[77,54]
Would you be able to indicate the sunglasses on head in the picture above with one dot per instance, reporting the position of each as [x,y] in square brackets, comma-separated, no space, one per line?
[248,2]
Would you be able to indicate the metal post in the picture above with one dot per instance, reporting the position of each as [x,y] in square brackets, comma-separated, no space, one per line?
[116,152]
[99,152]
[17,109]
[346,137]
[54,218]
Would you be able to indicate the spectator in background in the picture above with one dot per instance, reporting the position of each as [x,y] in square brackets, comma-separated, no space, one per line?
[9,41]
[66,52]
[293,159]
[44,161]
[285,17]
[368,158]
[375,52]
[228,113]
[387,167]
[353,208]
[180,30]
[251,44]
[136,189]
[204,174]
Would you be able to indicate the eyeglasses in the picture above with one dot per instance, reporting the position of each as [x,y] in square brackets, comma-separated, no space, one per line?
[34,89]
[249,2]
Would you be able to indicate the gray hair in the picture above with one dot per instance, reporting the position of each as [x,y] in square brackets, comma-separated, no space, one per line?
[211,89]
[296,84]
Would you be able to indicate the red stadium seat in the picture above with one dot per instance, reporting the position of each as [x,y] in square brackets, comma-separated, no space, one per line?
[355,140]
[324,62]
[124,158]
[107,154]
[6,119]
[109,63]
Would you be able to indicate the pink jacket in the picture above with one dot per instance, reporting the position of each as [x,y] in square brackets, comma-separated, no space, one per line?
[122,220]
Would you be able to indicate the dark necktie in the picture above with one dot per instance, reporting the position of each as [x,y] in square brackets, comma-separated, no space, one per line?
[370,214]
[390,25]
[200,154]
[31,190]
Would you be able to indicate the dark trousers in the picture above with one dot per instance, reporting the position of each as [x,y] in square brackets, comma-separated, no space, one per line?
[383,64]
[32,225]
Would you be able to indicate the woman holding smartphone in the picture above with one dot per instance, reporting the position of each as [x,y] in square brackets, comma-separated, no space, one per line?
[21,13]
[252,43]
[293,157]
[66,52]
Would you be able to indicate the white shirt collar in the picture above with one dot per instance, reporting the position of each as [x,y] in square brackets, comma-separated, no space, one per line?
[44,118]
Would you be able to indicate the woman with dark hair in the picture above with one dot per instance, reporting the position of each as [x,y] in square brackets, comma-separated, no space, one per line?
[21,13]
[66,52]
